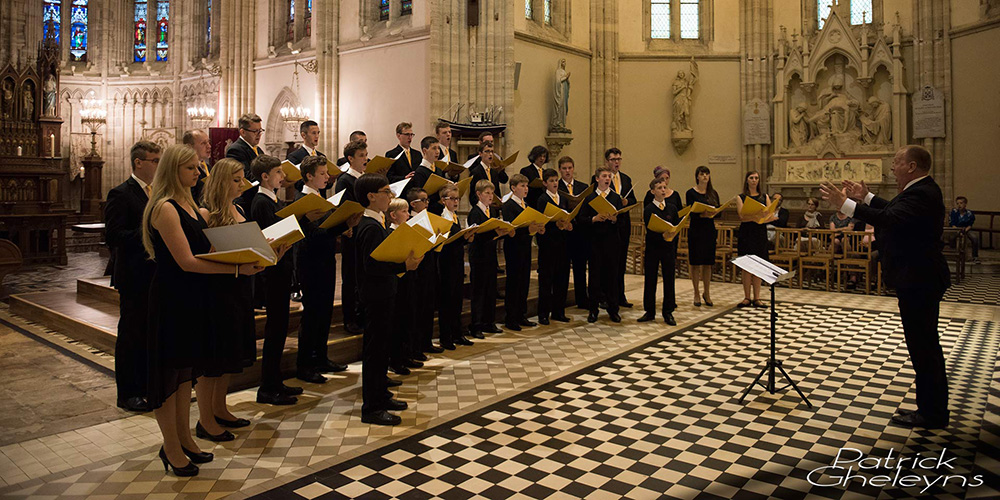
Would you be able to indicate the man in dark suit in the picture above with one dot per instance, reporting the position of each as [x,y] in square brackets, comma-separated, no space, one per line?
[245,149]
[309,131]
[407,158]
[908,232]
[538,157]
[604,236]
[131,274]
[357,155]
[357,135]
[487,167]
[621,183]
[443,132]
[579,249]
[198,141]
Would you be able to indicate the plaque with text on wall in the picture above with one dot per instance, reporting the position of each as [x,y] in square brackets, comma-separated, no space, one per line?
[928,113]
[756,123]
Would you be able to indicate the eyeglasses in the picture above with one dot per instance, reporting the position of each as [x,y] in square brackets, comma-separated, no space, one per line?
[615,159]
[258,132]
[420,200]
[409,134]
[385,190]
[154,161]
[446,198]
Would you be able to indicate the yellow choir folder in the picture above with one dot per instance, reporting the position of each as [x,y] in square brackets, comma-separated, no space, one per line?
[754,207]
[344,211]
[284,232]
[378,165]
[450,168]
[557,214]
[247,184]
[658,225]
[306,204]
[292,172]
[602,206]
[492,224]
[530,216]
[510,159]
[701,208]
[434,184]
[239,244]
[536,183]
[400,242]
[452,237]
[575,200]
[463,186]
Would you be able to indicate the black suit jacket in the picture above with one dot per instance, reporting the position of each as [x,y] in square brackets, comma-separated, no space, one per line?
[420,176]
[602,233]
[264,211]
[452,155]
[533,193]
[483,247]
[400,168]
[478,172]
[200,186]
[553,235]
[379,281]
[654,240]
[296,157]
[317,252]
[522,238]
[240,151]
[578,187]
[132,270]
[908,234]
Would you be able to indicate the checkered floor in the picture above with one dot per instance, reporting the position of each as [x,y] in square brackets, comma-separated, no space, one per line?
[663,420]
[976,289]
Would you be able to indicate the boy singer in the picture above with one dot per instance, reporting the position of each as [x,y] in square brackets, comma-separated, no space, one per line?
[603,264]
[660,255]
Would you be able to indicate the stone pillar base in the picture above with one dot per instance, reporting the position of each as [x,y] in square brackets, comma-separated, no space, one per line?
[556,141]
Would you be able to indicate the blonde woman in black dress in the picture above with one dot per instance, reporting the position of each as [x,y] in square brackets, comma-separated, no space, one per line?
[701,235]
[752,235]
[179,327]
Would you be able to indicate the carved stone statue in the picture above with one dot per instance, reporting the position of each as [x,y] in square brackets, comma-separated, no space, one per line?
[682,89]
[876,124]
[8,100]
[798,126]
[560,99]
[29,102]
[49,89]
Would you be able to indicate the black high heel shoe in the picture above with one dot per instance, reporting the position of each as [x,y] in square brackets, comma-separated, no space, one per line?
[708,303]
[218,438]
[199,457]
[188,470]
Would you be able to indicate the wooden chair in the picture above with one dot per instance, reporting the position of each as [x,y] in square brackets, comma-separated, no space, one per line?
[958,253]
[681,266]
[820,254]
[724,249]
[786,251]
[637,247]
[857,258]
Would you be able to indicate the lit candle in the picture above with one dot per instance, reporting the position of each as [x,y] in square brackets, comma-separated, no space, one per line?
[82,171]
[19,151]
[52,140]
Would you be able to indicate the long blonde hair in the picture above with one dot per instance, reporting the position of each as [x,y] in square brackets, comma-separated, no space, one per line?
[216,195]
[167,185]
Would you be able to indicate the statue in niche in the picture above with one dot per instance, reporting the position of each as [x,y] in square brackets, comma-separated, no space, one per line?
[28,98]
[682,89]
[798,125]
[876,124]
[8,99]
[834,102]
[49,89]
[560,99]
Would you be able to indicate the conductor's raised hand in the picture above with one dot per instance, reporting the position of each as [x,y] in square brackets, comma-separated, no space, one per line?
[412,262]
[833,194]
[856,190]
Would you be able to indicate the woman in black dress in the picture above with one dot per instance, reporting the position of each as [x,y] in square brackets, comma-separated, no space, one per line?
[233,327]
[180,334]
[701,234]
[752,235]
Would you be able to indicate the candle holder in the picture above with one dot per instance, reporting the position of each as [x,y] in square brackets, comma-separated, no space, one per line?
[93,116]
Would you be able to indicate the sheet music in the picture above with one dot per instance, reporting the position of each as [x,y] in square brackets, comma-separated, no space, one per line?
[762,269]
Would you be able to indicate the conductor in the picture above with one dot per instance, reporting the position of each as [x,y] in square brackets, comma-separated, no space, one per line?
[908,231]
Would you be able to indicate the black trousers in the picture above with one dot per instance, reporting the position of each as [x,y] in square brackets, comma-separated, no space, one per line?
[553,279]
[317,316]
[919,312]
[659,259]
[349,283]
[605,282]
[517,255]
[483,277]
[375,354]
[426,302]
[131,357]
[403,344]
[579,253]
[452,277]
[277,288]
[622,254]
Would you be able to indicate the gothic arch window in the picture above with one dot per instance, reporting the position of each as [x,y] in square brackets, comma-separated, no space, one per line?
[548,18]
[405,7]
[677,21]
[78,31]
[51,14]
[150,18]
[383,10]
[528,9]
[862,11]
[208,29]
[162,25]
[139,31]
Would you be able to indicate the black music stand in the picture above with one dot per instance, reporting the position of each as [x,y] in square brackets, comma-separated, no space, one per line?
[770,274]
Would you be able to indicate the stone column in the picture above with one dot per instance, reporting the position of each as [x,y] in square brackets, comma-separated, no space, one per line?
[603,79]
[757,70]
[238,35]
[326,29]
[932,63]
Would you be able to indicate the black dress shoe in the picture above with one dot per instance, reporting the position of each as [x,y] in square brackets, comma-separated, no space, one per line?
[327,366]
[592,317]
[513,328]
[399,369]
[625,303]
[448,346]
[648,316]
[615,317]
[200,432]
[669,319]
[433,349]
[188,470]
[902,412]
[275,398]
[381,417]
[396,405]
[543,320]
[463,341]
[410,363]
[290,391]
[198,458]
[492,329]
[311,377]
[232,424]
[563,318]
[525,322]
[602,304]
[477,334]
[134,403]
[389,382]
[915,419]
[353,329]
[419,356]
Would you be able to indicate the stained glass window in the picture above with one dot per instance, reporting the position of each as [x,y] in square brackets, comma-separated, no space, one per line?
[823,11]
[51,11]
[208,29]
[383,10]
[527,9]
[406,8]
[659,19]
[78,31]
[291,21]
[162,24]
[139,31]
[309,12]
[547,13]
[689,20]
[861,11]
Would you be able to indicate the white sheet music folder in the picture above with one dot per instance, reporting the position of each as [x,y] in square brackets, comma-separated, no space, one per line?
[761,268]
